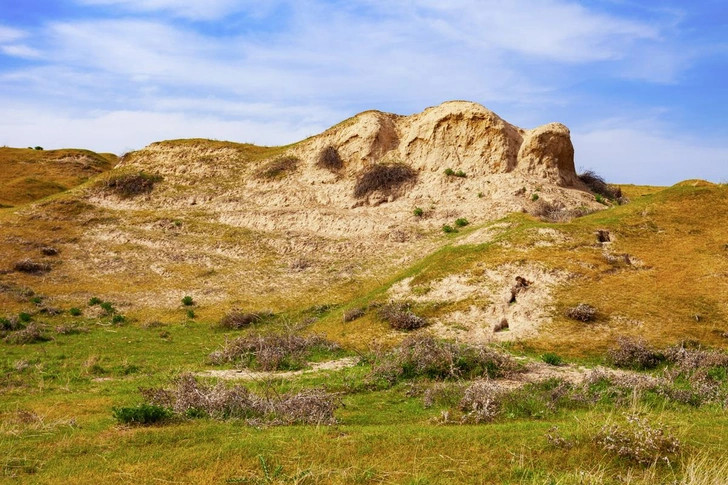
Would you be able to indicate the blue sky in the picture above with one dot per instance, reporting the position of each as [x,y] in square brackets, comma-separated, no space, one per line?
[641,85]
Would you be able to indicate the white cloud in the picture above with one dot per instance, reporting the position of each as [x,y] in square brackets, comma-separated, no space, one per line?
[191,9]
[640,153]
[20,50]
[9,34]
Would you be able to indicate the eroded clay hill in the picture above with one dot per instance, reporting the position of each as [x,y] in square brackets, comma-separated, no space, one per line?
[318,221]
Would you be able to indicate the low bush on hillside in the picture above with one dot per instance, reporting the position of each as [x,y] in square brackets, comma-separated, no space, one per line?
[639,441]
[143,414]
[132,184]
[279,167]
[634,353]
[386,178]
[452,173]
[32,267]
[599,186]
[272,352]
[31,334]
[582,312]
[329,159]
[400,316]
[353,313]
[557,211]
[191,398]
[237,319]
[461,222]
[425,356]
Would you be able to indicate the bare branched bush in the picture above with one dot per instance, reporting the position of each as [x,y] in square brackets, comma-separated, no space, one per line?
[30,266]
[598,185]
[30,334]
[425,356]
[278,167]
[557,211]
[132,184]
[582,312]
[271,352]
[634,354]
[639,441]
[237,319]
[329,159]
[389,179]
[353,314]
[400,316]
[481,402]
[191,398]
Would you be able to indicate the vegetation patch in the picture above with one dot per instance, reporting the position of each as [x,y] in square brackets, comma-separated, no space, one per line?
[600,187]
[143,414]
[639,441]
[238,319]
[272,352]
[388,179]
[354,313]
[279,167]
[190,398]
[330,159]
[400,316]
[634,353]
[132,184]
[32,267]
[582,312]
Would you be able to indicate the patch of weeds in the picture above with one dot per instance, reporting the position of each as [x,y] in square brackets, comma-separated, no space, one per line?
[143,414]
[638,441]
[481,195]
[191,314]
[452,173]
[461,222]
[187,301]
[552,359]
[31,334]
[237,319]
[534,197]
[634,353]
[95,301]
[132,184]
[425,356]
[191,399]
[600,187]
[389,179]
[118,319]
[418,212]
[272,352]
[400,316]
[24,317]
[354,313]
[329,159]
[582,312]
[447,229]
[107,307]
[31,267]
[557,211]
[75,312]
[599,198]
[278,167]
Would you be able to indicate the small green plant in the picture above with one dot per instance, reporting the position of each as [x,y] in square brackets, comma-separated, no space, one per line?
[418,212]
[118,319]
[107,306]
[191,314]
[534,197]
[24,317]
[75,312]
[449,172]
[452,173]
[95,301]
[552,359]
[36,300]
[188,301]
[460,174]
[39,148]
[599,198]
[447,229]
[461,222]
[141,414]
[481,195]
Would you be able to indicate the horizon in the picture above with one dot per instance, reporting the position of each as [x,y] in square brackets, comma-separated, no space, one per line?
[639,87]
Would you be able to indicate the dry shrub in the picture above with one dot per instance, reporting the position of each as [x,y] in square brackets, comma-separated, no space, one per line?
[582,312]
[329,159]
[271,352]
[638,441]
[425,356]
[132,184]
[599,186]
[191,398]
[634,354]
[69,330]
[386,178]
[481,402]
[691,359]
[49,251]
[557,211]
[30,334]
[399,316]
[237,319]
[278,167]
[353,314]
[30,266]
[502,325]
